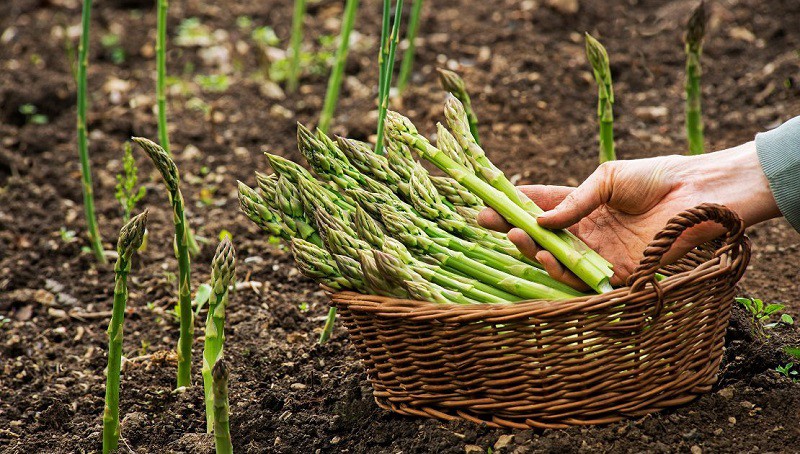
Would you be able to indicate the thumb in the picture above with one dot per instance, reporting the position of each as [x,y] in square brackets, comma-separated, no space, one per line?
[578,204]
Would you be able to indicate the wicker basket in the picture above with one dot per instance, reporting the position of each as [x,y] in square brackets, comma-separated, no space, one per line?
[543,364]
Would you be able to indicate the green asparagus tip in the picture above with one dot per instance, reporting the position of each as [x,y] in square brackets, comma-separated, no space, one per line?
[696,27]
[131,235]
[450,81]
[162,161]
[598,57]
[220,371]
[397,124]
[223,266]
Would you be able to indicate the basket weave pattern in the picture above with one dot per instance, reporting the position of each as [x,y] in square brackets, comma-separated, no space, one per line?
[544,364]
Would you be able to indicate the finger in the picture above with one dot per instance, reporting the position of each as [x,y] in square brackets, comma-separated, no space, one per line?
[524,243]
[578,204]
[558,272]
[545,196]
[492,220]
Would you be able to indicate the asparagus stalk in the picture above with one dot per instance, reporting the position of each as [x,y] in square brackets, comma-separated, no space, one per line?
[598,58]
[695,32]
[418,286]
[293,214]
[361,156]
[351,270]
[454,84]
[335,81]
[389,42]
[401,129]
[377,282]
[295,43]
[318,264]
[222,430]
[130,239]
[223,271]
[169,172]
[161,73]
[95,241]
[268,184]
[408,56]
[257,210]
[414,238]
[301,177]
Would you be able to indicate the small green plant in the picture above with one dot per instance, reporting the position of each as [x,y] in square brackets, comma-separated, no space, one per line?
[762,312]
[201,297]
[296,42]
[111,45]
[222,275]
[130,239]
[303,306]
[265,36]
[95,241]
[169,172]
[192,32]
[213,83]
[337,71]
[67,236]
[311,63]
[127,194]
[31,115]
[598,58]
[244,22]
[389,40]
[788,371]
[695,33]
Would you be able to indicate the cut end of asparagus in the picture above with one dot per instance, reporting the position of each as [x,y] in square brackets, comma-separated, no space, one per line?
[696,27]
[223,266]
[131,235]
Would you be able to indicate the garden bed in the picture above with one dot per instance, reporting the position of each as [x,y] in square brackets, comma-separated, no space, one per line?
[536,102]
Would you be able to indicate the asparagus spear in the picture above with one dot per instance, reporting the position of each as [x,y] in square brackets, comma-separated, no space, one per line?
[408,56]
[351,270]
[222,430]
[318,264]
[299,176]
[695,32]
[223,271]
[376,281]
[454,84]
[293,214]
[257,210]
[401,129]
[335,80]
[389,40]
[361,156]
[456,194]
[169,172]
[130,239]
[268,184]
[598,58]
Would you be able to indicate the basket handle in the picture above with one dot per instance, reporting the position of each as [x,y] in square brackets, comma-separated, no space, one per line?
[663,241]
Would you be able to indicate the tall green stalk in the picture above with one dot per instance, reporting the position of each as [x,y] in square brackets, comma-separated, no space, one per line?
[389,42]
[598,58]
[161,74]
[95,242]
[335,81]
[223,271]
[411,36]
[169,171]
[222,430]
[695,32]
[130,239]
[296,42]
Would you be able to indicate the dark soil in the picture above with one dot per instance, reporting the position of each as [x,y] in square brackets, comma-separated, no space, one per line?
[524,63]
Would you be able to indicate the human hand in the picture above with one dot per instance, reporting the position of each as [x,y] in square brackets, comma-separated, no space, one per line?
[618,210]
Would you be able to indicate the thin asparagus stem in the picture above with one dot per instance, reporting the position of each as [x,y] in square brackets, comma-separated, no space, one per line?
[295,44]
[386,63]
[95,241]
[130,239]
[169,172]
[335,81]
[401,129]
[408,56]
[695,33]
[222,430]
[161,73]
[598,58]
[223,272]
[454,84]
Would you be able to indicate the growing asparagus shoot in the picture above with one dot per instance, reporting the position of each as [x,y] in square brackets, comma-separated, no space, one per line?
[222,430]
[335,80]
[169,172]
[695,33]
[161,74]
[295,44]
[95,242]
[411,37]
[223,271]
[389,40]
[454,84]
[130,239]
[598,59]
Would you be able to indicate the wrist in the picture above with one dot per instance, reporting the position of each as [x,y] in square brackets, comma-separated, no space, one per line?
[734,178]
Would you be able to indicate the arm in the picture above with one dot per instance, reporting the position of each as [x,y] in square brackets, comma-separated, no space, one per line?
[779,154]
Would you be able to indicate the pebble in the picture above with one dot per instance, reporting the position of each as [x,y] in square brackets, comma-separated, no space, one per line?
[564,6]
[732,420]
[727,393]
[298,386]
[503,441]
[473,449]
[696,449]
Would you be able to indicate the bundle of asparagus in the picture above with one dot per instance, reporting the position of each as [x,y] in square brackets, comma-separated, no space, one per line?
[382,224]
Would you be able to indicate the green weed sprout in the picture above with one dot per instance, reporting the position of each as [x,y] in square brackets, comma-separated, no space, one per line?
[127,194]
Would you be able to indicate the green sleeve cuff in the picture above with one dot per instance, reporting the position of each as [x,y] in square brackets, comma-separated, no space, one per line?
[779,153]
